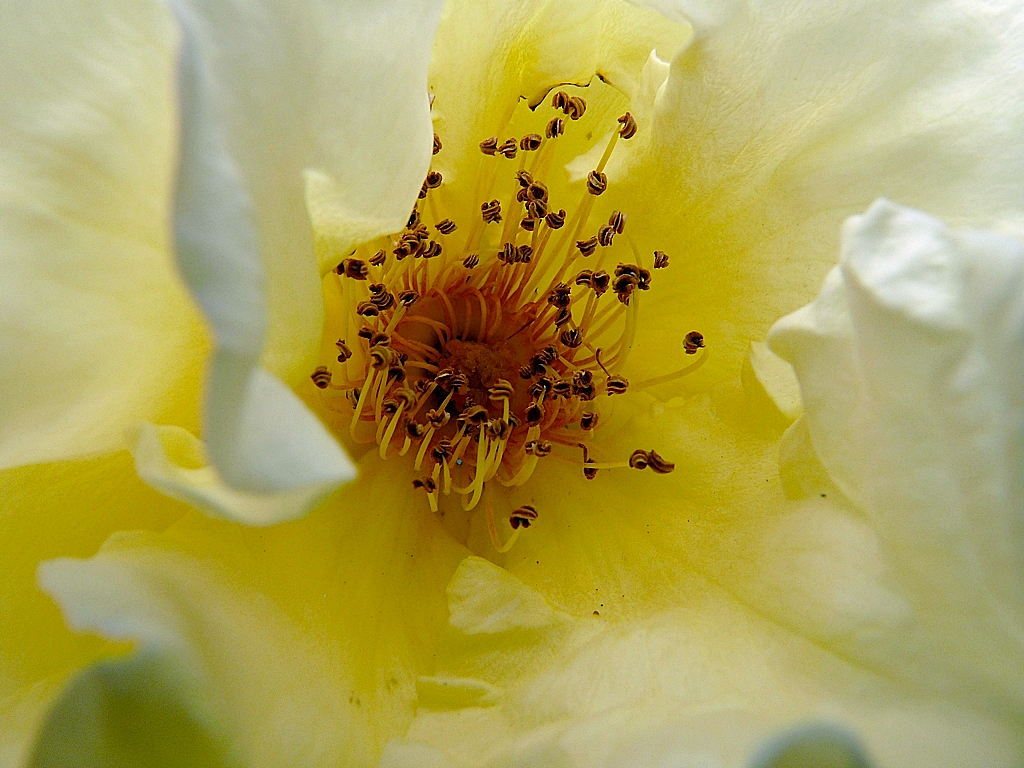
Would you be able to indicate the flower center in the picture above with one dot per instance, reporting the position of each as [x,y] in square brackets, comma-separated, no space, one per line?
[476,355]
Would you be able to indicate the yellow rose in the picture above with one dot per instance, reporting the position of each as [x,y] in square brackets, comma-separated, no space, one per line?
[790,569]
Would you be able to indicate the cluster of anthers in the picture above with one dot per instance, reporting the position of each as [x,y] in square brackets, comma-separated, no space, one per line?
[480,364]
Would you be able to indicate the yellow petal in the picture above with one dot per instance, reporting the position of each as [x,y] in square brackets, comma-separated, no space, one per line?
[306,633]
[707,682]
[51,510]
[99,333]
[776,126]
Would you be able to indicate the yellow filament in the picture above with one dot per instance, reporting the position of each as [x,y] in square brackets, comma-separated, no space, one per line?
[423,449]
[391,430]
[493,531]
[673,375]
[362,401]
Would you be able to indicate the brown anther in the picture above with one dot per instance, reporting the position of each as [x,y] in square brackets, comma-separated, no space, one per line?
[471,261]
[423,191]
[367,309]
[489,146]
[389,407]
[381,358]
[507,254]
[643,279]
[571,338]
[379,258]
[643,459]
[353,268]
[560,100]
[628,129]
[344,353]
[563,317]
[530,142]
[424,483]
[380,339]
[408,298]
[541,387]
[605,235]
[521,195]
[660,259]
[502,390]
[624,286]
[575,108]
[547,355]
[321,377]
[525,372]
[597,182]
[381,298]
[555,128]
[616,385]
[498,429]
[522,517]
[587,247]
[528,224]
[474,415]
[437,144]
[446,226]
[588,420]
[540,448]
[618,221]
[414,219]
[433,180]
[366,333]
[693,341]
[537,209]
[583,385]
[491,211]
[415,430]
[562,388]
[534,413]
[584,277]
[443,450]
[523,254]
[436,418]
[537,191]
[508,149]
[556,219]
[560,295]
[589,472]
[600,282]
[432,249]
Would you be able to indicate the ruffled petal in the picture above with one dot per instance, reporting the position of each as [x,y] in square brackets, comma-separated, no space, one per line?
[778,124]
[911,365]
[51,510]
[261,437]
[708,682]
[97,331]
[337,88]
[294,645]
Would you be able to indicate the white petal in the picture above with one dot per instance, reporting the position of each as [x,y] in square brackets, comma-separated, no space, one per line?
[261,437]
[911,366]
[339,88]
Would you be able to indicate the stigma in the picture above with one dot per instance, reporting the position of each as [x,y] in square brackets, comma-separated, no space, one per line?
[477,349]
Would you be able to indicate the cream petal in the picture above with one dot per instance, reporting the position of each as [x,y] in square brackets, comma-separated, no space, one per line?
[780,123]
[337,88]
[261,437]
[911,366]
[293,645]
[174,462]
[97,331]
[707,683]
